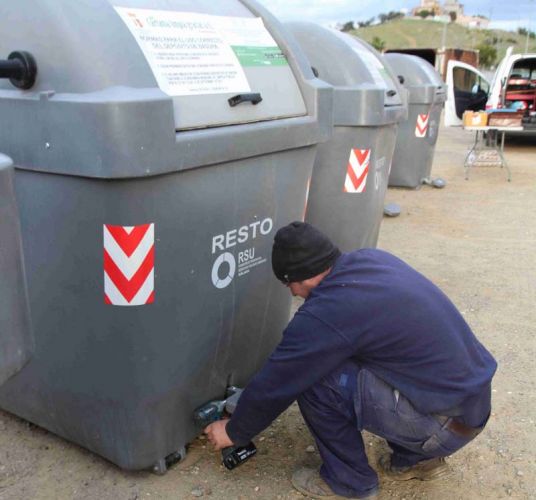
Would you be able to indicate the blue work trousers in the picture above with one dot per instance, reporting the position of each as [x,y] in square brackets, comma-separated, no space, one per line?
[351,399]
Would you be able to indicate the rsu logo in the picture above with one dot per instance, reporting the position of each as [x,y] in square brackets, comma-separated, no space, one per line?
[225,266]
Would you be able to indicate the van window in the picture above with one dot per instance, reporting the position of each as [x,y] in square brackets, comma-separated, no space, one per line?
[470,91]
[524,69]
[520,92]
[468,81]
[521,74]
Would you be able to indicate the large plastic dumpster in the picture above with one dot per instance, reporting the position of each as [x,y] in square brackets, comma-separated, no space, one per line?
[15,330]
[417,137]
[351,171]
[156,155]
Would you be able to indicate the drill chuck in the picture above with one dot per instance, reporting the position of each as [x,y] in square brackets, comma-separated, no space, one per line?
[208,413]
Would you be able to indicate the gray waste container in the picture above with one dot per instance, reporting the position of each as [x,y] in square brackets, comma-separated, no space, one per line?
[151,179]
[417,137]
[15,331]
[351,171]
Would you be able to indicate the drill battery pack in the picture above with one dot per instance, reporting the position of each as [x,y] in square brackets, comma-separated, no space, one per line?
[233,457]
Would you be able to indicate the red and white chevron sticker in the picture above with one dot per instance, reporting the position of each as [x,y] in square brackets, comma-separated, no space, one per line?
[422,125]
[357,171]
[129,265]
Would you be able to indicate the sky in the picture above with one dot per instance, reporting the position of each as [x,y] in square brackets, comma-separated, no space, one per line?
[509,14]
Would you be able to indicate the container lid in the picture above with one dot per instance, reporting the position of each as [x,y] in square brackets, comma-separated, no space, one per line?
[423,82]
[365,88]
[130,88]
[199,53]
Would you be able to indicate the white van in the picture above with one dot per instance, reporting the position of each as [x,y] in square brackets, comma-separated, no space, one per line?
[512,86]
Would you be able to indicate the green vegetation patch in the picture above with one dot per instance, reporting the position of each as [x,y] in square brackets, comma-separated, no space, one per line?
[422,33]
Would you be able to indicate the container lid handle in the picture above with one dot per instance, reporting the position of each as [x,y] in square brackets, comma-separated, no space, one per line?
[253,98]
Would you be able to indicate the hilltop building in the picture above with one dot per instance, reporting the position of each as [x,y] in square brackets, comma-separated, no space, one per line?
[443,10]
[429,5]
[453,6]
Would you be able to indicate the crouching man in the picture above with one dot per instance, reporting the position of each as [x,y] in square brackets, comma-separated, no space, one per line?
[375,346]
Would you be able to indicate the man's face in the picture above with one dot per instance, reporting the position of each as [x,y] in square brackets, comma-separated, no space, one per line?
[299,289]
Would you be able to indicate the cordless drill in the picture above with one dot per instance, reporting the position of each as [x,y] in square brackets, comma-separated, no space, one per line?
[233,456]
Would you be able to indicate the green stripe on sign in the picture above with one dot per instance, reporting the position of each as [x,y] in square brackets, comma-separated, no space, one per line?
[260,56]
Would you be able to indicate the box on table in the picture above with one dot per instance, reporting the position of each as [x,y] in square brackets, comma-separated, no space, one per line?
[505,119]
[475,119]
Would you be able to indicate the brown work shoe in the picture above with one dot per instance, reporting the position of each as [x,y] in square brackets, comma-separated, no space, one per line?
[309,482]
[425,471]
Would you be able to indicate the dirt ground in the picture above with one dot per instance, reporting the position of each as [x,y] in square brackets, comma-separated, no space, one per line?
[476,240]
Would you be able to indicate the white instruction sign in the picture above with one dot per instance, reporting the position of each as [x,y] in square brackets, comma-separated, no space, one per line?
[188,53]
[246,31]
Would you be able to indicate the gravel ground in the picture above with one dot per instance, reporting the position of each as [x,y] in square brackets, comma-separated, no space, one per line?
[476,240]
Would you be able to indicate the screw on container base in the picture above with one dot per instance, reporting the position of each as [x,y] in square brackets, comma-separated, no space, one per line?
[162,465]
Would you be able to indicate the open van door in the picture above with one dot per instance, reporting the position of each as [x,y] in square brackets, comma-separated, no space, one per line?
[468,89]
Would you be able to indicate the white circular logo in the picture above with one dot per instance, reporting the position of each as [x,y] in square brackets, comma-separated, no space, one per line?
[229,259]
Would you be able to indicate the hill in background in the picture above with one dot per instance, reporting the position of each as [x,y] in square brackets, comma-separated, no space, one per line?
[416,33]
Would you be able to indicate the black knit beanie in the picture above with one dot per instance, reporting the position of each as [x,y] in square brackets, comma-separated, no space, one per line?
[301,251]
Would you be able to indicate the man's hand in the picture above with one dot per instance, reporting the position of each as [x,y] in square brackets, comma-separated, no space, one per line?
[217,434]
